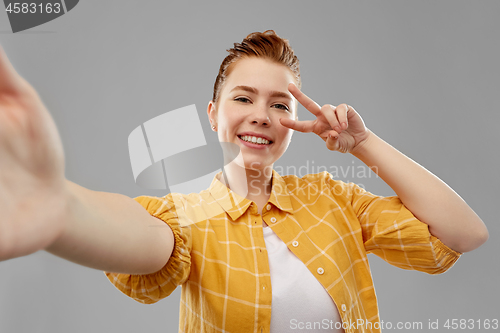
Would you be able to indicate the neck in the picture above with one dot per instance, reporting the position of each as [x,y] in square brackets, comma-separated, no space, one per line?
[253,184]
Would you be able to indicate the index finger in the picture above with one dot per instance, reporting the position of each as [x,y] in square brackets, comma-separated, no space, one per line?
[303,99]
[9,79]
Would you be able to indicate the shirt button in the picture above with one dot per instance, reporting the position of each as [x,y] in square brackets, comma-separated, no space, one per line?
[273,219]
[320,271]
[295,243]
[268,207]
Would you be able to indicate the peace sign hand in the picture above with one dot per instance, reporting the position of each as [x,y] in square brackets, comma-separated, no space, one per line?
[340,127]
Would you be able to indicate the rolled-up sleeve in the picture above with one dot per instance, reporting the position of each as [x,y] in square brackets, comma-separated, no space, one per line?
[150,288]
[393,233]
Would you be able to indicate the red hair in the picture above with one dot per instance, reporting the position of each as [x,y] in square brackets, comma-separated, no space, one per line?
[267,45]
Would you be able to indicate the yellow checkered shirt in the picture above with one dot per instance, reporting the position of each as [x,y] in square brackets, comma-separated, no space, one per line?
[220,256]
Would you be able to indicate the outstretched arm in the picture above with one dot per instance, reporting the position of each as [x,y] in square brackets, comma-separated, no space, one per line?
[111,232]
[425,195]
[40,209]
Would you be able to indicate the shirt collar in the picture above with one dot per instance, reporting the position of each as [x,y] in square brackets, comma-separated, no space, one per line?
[235,205]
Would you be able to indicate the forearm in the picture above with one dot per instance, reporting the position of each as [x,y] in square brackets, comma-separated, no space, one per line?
[112,232]
[425,195]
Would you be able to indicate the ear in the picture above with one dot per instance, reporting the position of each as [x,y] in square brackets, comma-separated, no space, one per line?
[212,113]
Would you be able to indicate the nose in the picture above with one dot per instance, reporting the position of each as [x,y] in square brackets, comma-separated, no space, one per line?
[260,116]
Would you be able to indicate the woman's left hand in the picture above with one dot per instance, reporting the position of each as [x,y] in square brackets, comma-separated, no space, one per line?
[340,127]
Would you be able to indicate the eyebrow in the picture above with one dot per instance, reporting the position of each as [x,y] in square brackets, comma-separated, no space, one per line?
[273,93]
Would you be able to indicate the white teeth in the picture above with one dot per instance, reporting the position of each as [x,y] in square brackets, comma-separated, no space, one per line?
[254,139]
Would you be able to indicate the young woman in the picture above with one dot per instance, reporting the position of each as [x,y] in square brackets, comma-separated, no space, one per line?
[256,251]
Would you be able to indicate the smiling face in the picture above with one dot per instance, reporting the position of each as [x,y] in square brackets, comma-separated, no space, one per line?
[253,99]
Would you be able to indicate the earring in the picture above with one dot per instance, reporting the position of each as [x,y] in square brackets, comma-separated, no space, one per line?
[213,128]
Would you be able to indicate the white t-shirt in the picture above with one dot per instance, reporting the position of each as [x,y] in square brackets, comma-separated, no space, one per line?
[300,303]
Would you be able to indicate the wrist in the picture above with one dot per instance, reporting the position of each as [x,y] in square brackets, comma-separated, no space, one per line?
[365,146]
[62,206]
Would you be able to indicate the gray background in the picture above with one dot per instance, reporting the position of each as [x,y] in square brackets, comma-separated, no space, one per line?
[423,75]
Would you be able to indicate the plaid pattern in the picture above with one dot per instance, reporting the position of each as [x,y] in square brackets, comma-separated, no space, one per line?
[220,257]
